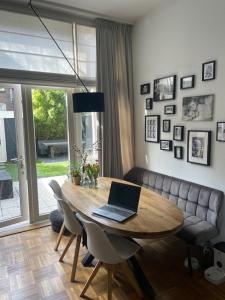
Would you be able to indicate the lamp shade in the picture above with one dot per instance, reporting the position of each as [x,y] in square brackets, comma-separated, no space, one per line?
[88,102]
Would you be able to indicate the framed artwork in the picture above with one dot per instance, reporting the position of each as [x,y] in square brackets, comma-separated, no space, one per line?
[178,133]
[149,103]
[198,108]
[165,88]
[178,152]
[170,109]
[166,125]
[166,145]
[199,147]
[187,82]
[152,128]
[220,132]
[209,70]
[145,89]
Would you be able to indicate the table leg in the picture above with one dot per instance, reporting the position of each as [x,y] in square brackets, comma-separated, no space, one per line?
[87,260]
[143,282]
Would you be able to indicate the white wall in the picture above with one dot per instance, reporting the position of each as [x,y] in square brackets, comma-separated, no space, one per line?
[176,38]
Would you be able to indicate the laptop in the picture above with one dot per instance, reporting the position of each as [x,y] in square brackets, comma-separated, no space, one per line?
[122,203]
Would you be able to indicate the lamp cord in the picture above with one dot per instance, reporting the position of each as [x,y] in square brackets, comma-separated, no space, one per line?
[57,45]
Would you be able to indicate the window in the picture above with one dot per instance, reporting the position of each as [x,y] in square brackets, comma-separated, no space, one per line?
[25,45]
[86,51]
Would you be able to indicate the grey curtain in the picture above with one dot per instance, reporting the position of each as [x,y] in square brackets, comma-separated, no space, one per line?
[115,79]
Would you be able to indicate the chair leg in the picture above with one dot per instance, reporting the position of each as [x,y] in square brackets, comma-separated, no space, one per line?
[130,277]
[109,283]
[75,259]
[67,247]
[93,274]
[59,237]
[189,259]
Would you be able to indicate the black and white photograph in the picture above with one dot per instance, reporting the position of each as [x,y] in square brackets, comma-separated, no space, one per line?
[208,70]
[166,145]
[178,133]
[187,82]
[152,128]
[198,108]
[149,103]
[199,146]
[178,152]
[220,132]
[165,88]
[166,125]
[170,109]
[145,89]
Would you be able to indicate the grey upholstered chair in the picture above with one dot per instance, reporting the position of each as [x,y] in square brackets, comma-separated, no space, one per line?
[111,251]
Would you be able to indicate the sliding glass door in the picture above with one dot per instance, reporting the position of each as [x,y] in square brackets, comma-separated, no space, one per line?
[47,118]
[13,180]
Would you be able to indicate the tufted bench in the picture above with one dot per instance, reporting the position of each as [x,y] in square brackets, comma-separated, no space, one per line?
[200,204]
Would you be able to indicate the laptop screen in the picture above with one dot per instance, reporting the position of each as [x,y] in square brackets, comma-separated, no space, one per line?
[124,195]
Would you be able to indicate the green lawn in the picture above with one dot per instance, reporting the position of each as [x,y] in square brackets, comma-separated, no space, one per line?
[43,169]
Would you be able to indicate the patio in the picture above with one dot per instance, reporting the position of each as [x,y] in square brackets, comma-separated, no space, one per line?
[10,208]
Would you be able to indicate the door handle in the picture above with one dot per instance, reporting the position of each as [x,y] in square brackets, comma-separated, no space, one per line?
[16,159]
[19,161]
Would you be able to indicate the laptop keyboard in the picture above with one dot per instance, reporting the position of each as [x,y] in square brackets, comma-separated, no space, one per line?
[117,211]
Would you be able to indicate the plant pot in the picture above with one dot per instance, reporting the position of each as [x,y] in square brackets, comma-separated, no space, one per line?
[76,180]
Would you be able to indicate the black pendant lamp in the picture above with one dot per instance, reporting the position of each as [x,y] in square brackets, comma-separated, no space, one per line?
[82,102]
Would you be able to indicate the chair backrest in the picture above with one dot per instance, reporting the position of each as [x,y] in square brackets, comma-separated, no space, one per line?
[70,219]
[98,243]
[57,192]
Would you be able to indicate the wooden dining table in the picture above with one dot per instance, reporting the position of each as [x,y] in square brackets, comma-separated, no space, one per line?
[156,217]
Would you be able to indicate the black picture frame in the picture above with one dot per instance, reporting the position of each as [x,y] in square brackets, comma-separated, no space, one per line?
[178,152]
[165,88]
[148,103]
[169,145]
[170,109]
[166,128]
[209,70]
[152,128]
[199,147]
[145,88]
[198,108]
[220,131]
[185,85]
[178,130]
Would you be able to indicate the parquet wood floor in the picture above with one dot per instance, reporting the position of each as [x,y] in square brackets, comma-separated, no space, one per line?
[29,270]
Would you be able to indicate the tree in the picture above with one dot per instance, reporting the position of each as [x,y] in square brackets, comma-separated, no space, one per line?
[49,109]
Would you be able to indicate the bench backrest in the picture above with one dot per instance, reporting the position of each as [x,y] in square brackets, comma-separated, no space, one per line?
[192,198]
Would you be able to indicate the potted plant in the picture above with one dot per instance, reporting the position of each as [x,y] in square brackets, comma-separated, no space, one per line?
[75,173]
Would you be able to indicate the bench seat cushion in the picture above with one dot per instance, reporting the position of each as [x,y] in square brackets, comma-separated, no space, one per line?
[195,230]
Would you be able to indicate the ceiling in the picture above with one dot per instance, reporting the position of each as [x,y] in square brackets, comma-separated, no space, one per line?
[121,10]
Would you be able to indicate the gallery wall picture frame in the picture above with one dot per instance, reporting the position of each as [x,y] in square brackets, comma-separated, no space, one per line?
[178,152]
[166,145]
[148,103]
[152,128]
[220,131]
[145,88]
[178,133]
[169,109]
[166,125]
[199,147]
[198,108]
[187,82]
[165,88]
[209,70]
